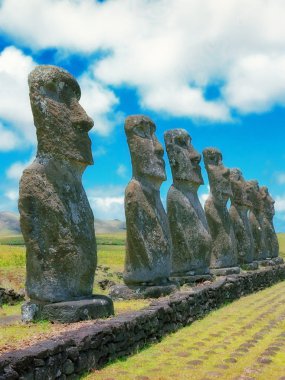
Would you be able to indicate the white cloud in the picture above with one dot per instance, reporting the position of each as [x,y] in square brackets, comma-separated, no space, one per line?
[280,203]
[280,178]
[107,202]
[12,194]
[8,139]
[204,196]
[15,107]
[122,170]
[99,102]
[16,169]
[100,151]
[168,50]
[256,83]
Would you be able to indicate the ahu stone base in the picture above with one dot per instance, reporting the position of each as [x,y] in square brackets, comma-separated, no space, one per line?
[250,266]
[225,271]
[128,292]
[191,279]
[271,262]
[69,311]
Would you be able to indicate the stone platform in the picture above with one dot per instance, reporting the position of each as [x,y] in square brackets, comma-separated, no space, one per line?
[224,271]
[90,347]
[98,306]
[250,266]
[191,279]
[271,262]
[128,292]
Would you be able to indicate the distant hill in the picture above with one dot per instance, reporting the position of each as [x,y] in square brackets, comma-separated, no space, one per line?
[9,225]
[109,226]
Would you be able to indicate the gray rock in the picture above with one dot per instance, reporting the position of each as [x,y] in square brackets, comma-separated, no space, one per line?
[268,211]
[240,204]
[224,247]
[56,219]
[256,220]
[143,291]
[98,306]
[187,221]
[29,311]
[148,247]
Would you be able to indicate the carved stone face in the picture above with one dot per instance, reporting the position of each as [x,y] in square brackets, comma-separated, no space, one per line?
[241,195]
[62,124]
[146,151]
[219,176]
[267,202]
[184,159]
[254,194]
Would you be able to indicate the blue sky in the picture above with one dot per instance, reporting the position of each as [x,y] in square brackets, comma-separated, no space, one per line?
[214,68]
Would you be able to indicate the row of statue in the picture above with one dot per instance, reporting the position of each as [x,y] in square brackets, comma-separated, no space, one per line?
[188,240]
[58,224]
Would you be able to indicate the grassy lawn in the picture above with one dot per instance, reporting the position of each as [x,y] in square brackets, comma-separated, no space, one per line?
[244,340]
[111,253]
[230,327]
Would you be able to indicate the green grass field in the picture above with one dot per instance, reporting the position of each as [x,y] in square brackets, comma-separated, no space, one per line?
[244,340]
[228,344]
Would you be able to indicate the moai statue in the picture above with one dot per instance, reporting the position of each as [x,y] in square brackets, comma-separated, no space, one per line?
[148,246]
[188,225]
[224,248]
[56,219]
[270,237]
[256,219]
[240,204]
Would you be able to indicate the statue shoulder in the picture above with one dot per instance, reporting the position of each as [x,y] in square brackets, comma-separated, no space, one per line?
[133,190]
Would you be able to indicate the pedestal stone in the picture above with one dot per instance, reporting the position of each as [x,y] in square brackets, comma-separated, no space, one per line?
[55,216]
[96,307]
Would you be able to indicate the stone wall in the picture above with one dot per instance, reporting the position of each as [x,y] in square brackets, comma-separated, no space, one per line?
[91,347]
[10,297]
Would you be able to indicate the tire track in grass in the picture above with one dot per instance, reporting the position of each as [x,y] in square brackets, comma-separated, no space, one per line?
[241,341]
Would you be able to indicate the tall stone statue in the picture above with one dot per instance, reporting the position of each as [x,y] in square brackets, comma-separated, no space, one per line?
[56,219]
[240,204]
[224,247]
[148,250]
[271,240]
[256,219]
[188,225]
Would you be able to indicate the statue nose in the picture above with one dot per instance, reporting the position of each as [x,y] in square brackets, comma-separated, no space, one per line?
[80,118]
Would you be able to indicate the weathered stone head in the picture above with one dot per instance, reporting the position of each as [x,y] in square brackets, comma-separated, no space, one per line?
[62,124]
[219,176]
[146,151]
[267,203]
[184,159]
[254,195]
[240,191]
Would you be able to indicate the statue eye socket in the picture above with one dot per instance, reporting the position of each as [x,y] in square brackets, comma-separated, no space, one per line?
[181,141]
[67,94]
[144,131]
